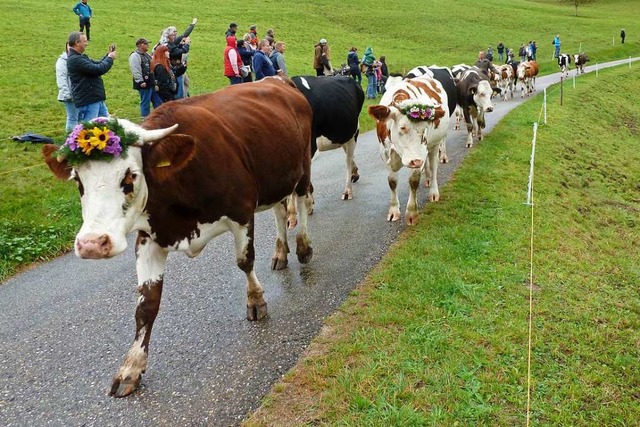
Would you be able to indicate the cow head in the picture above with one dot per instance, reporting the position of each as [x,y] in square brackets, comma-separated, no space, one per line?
[405,134]
[113,189]
[482,95]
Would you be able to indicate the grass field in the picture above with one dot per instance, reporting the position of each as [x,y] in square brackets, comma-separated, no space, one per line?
[437,335]
[38,216]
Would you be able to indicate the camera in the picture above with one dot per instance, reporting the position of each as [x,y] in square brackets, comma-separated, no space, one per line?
[112,47]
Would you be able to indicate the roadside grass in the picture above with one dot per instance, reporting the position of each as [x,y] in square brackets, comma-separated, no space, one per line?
[39,215]
[437,334]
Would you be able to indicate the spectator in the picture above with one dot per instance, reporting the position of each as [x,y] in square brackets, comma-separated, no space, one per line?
[534,49]
[384,74]
[261,63]
[83,10]
[246,54]
[622,35]
[322,58]
[510,55]
[232,61]
[64,90]
[556,44]
[253,32]
[529,51]
[85,75]
[277,59]
[501,51]
[178,50]
[522,53]
[271,37]
[143,82]
[164,74]
[354,65]
[231,31]
[481,56]
[489,54]
[368,61]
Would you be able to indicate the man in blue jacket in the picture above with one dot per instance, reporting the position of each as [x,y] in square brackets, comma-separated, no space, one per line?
[262,65]
[85,74]
[83,10]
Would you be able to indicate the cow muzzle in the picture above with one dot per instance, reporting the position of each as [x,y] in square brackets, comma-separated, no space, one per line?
[488,109]
[415,164]
[94,246]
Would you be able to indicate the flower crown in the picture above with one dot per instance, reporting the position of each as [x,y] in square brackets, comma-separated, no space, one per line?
[419,112]
[100,139]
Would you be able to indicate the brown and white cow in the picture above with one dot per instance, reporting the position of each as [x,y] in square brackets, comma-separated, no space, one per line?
[411,122]
[580,59]
[527,72]
[194,174]
[474,98]
[506,80]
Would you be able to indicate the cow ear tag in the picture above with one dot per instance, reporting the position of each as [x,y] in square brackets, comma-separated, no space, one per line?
[163,164]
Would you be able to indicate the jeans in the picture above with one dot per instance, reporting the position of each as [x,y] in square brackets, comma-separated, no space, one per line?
[85,25]
[500,56]
[557,53]
[357,76]
[180,81]
[371,86]
[72,115]
[148,96]
[92,111]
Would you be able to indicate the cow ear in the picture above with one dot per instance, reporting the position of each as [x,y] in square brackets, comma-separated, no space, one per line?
[473,90]
[379,112]
[169,155]
[60,168]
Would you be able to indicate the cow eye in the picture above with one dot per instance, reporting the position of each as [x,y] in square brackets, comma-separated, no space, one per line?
[403,129]
[80,186]
[127,182]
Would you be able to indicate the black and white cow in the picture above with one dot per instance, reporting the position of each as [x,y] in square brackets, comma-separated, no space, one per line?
[564,62]
[474,98]
[445,76]
[580,60]
[336,105]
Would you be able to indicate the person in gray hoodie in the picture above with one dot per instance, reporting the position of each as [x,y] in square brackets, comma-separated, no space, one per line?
[64,90]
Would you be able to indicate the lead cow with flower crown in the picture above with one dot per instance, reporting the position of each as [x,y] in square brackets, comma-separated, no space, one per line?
[188,174]
[411,122]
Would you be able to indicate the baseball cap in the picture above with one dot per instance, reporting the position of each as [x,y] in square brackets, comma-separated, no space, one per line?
[323,40]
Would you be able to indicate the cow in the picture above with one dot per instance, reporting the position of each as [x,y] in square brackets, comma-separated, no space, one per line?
[412,120]
[527,72]
[474,98]
[191,174]
[580,59]
[336,104]
[564,62]
[445,76]
[506,80]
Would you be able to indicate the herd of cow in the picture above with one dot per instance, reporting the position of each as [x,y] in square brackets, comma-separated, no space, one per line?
[205,165]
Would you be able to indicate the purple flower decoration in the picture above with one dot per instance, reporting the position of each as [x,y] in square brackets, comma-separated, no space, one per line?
[113,144]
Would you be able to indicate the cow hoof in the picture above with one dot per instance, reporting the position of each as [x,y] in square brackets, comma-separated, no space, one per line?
[346,196]
[355,178]
[434,197]
[279,264]
[469,144]
[256,312]
[304,256]
[124,387]
[393,216]
[444,160]
[291,223]
[411,219]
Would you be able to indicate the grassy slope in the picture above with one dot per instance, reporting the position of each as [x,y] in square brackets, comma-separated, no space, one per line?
[39,216]
[437,335]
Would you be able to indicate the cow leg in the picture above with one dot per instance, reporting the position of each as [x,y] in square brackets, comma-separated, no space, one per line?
[349,148]
[411,213]
[443,151]
[150,265]
[434,193]
[457,115]
[469,121]
[303,242]
[481,125]
[394,207]
[245,257]
[291,214]
[281,214]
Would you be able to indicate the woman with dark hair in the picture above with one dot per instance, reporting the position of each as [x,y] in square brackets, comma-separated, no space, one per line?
[354,65]
[164,74]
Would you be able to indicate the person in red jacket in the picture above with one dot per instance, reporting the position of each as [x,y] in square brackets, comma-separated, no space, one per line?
[232,61]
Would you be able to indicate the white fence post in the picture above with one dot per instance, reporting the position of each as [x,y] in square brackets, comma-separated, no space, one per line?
[533,155]
[545,106]
[596,69]
[574,81]
[629,62]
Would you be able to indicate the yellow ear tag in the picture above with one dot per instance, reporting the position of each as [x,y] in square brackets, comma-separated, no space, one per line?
[163,164]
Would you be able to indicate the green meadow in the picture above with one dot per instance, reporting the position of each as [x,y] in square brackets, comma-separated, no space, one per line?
[437,335]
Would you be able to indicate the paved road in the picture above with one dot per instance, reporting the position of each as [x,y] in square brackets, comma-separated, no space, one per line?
[64,326]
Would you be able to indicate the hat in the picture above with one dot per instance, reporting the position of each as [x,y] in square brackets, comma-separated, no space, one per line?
[323,40]
[141,40]
[233,24]
[253,27]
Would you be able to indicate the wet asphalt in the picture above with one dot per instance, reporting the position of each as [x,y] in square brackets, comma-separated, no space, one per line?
[65,325]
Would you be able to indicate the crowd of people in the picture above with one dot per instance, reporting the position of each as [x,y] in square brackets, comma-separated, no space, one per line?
[159,73]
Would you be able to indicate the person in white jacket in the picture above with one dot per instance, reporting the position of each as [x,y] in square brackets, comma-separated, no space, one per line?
[64,90]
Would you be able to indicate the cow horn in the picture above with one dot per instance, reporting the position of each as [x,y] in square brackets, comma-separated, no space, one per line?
[148,135]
